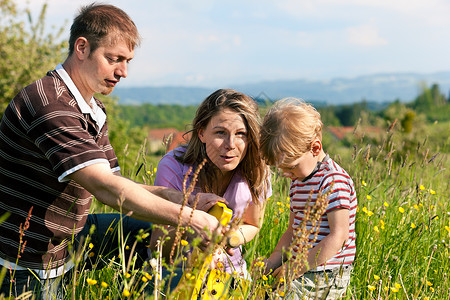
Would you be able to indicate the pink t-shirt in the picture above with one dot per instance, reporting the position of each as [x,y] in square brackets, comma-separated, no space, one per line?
[171,173]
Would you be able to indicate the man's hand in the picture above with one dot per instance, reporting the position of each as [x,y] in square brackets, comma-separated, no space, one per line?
[205,226]
[205,201]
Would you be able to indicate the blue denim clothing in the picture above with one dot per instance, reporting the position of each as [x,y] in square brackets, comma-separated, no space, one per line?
[105,242]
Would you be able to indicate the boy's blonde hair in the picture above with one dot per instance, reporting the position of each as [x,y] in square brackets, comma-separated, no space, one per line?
[288,130]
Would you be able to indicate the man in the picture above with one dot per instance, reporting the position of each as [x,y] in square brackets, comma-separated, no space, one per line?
[55,154]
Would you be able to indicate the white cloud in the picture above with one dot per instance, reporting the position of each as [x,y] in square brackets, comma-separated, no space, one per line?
[365,35]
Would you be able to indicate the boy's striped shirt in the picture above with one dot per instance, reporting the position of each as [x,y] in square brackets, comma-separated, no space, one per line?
[333,179]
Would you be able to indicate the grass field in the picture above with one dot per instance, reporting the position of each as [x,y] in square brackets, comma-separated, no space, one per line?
[403,227]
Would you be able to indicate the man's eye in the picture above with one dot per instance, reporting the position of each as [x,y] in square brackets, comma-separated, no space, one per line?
[112,59]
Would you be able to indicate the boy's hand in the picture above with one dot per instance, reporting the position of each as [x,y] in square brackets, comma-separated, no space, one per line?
[217,259]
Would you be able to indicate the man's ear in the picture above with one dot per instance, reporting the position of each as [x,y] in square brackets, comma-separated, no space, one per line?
[82,48]
[316,147]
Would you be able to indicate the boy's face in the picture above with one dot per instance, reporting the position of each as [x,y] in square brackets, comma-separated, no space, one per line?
[300,168]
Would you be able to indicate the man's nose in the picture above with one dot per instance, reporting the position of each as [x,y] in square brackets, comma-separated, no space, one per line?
[122,69]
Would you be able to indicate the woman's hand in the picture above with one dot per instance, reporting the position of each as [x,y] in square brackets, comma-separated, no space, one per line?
[205,201]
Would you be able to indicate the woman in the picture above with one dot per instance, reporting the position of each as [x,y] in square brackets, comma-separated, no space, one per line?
[225,132]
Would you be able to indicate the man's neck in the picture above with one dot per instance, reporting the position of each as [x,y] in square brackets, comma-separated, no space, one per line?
[73,71]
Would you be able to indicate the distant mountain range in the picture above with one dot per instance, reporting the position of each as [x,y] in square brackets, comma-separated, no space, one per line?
[378,88]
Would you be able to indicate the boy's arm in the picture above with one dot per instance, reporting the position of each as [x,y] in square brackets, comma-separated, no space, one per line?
[277,257]
[338,220]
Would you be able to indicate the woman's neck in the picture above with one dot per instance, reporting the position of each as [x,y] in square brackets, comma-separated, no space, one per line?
[222,182]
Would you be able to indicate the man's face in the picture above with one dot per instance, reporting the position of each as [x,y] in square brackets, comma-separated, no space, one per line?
[104,68]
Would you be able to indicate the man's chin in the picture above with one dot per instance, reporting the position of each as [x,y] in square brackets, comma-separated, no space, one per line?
[107,91]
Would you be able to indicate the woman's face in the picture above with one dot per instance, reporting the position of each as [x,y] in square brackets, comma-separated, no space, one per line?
[225,138]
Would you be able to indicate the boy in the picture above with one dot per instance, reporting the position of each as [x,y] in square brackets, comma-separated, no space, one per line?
[291,139]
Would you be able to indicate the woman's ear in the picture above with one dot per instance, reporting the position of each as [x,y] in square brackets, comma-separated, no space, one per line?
[316,147]
[200,135]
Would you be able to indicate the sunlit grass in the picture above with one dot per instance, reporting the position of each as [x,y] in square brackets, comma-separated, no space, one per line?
[403,229]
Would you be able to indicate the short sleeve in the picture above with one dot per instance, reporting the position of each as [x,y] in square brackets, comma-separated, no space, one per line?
[68,138]
[339,190]
[169,173]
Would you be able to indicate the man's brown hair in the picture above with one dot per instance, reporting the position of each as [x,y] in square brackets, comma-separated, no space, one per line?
[103,24]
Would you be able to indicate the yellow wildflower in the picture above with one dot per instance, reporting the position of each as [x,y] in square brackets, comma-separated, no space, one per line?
[149,277]
[376,228]
[155,169]
[144,279]
[432,192]
[429,283]
[91,245]
[288,199]
[369,197]
[371,288]
[184,242]
[276,221]
[287,205]
[376,277]
[364,209]
[370,213]
[431,289]
[281,294]
[282,280]
[447,228]
[421,187]
[281,210]
[416,206]
[127,275]
[279,203]
[91,281]
[382,223]
[420,204]
[259,264]
[264,277]
[91,254]
[363,183]
[386,204]
[127,247]
[426,298]
[413,225]
[126,293]
[401,209]
[104,284]
[397,285]
[394,289]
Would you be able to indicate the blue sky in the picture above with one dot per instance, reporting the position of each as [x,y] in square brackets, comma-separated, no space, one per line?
[216,43]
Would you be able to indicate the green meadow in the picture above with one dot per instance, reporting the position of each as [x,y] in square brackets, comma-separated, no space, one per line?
[403,227]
